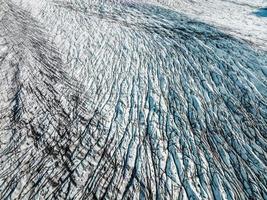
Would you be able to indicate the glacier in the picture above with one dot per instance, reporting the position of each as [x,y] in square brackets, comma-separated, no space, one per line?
[128,100]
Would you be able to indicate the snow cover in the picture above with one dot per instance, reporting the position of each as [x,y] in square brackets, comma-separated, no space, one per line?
[132,100]
[237,17]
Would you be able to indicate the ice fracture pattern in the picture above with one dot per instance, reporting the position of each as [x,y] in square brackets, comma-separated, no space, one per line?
[124,100]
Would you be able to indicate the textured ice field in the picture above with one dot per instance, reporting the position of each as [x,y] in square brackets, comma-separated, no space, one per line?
[241,18]
[108,100]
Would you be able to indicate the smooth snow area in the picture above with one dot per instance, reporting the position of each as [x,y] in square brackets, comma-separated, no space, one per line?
[242,18]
